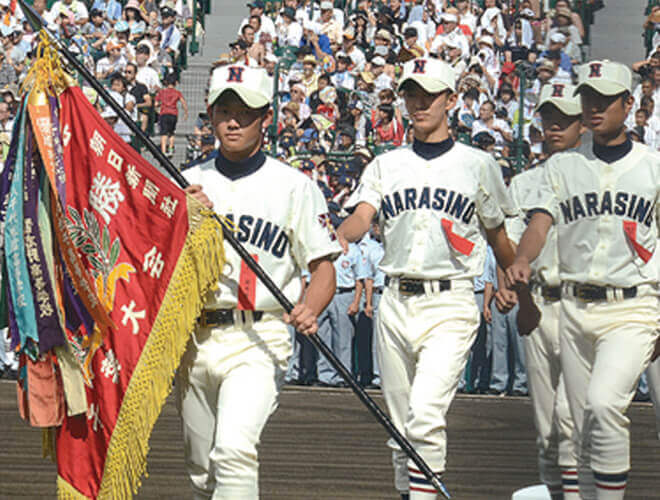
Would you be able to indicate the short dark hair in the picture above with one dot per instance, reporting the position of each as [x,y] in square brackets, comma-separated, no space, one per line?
[117,76]
[388,109]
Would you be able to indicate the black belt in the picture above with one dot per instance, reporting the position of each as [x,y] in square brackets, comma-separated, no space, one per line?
[408,286]
[221,317]
[551,293]
[478,291]
[345,289]
[590,293]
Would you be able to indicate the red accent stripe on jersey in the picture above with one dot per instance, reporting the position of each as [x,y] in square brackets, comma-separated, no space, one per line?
[630,228]
[611,487]
[412,469]
[458,242]
[247,287]
[425,490]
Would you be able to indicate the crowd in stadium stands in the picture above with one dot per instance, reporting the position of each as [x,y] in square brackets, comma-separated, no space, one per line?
[134,47]
[336,66]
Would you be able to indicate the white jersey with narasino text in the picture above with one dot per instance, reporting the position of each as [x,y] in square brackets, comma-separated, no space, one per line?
[546,265]
[280,217]
[433,213]
[605,213]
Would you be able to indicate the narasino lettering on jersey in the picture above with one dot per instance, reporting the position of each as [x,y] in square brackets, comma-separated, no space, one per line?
[620,203]
[262,234]
[442,200]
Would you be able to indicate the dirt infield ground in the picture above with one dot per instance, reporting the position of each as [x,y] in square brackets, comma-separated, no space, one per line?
[323,445]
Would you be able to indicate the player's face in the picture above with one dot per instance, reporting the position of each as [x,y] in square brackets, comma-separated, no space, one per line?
[561,131]
[604,114]
[238,127]
[428,111]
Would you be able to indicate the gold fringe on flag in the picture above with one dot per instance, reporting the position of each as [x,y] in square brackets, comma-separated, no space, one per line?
[197,271]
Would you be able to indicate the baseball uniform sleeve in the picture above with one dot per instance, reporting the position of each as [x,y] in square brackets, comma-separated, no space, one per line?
[313,235]
[542,197]
[493,201]
[515,226]
[369,190]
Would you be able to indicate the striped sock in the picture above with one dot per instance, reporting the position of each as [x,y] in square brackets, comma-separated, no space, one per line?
[610,486]
[420,487]
[569,482]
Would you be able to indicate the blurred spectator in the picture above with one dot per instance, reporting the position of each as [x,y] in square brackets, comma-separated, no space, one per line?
[167,101]
[387,129]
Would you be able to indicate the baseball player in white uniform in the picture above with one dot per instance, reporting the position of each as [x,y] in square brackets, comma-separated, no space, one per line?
[232,372]
[438,201]
[603,201]
[561,115]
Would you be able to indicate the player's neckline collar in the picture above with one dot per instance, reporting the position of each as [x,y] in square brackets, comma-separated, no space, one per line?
[610,154]
[235,170]
[431,150]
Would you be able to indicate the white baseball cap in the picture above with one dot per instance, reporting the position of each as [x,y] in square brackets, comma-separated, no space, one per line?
[252,85]
[326,5]
[606,77]
[563,96]
[378,61]
[557,37]
[449,17]
[433,75]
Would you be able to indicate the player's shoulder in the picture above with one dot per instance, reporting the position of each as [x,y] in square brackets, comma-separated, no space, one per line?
[284,174]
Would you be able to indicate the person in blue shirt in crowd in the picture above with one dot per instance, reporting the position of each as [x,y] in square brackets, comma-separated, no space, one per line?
[478,367]
[374,283]
[336,323]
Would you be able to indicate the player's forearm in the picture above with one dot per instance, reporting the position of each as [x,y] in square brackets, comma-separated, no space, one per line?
[533,239]
[498,239]
[489,293]
[322,285]
[357,224]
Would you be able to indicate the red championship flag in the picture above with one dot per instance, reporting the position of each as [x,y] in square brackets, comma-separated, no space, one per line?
[118,260]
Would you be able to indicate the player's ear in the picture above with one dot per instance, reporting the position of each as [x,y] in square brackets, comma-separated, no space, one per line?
[452,97]
[628,101]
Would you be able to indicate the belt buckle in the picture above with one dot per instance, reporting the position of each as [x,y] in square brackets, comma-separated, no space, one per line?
[407,287]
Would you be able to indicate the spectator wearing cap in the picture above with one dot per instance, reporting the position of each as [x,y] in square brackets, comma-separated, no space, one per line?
[299,96]
[329,25]
[133,15]
[449,30]
[410,48]
[381,79]
[114,62]
[342,77]
[346,139]
[349,47]
[171,36]
[556,43]
[314,39]
[112,9]
[359,122]
[453,55]
[646,88]
[309,77]
[560,75]
[563,16]
[492,22]
[78,8]
[383,47]
[14,54]
[239,53]
[488,122]
[266,24]
[289,31]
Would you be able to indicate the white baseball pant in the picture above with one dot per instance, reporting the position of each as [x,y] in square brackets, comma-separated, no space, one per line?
[227,387]
[552,417]
[653,379]
[423,343]
[604,348]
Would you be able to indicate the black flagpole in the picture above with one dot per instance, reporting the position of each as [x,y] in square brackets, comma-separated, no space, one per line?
[38,24]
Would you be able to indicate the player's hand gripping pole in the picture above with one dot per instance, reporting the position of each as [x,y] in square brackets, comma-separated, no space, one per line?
[38,24]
